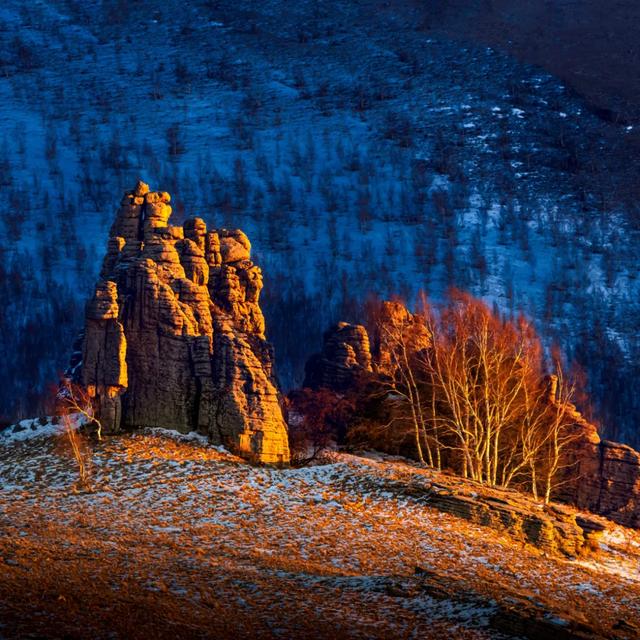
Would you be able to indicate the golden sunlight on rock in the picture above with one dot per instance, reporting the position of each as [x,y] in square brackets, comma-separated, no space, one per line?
[174,334]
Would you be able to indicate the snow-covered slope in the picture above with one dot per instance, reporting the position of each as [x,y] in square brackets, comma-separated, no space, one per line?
[180,539]
[360,152]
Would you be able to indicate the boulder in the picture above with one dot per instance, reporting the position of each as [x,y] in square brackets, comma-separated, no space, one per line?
[234,246]
[140,189]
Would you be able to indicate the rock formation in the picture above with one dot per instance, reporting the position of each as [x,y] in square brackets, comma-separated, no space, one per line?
[174,335]
[555,528]
[393,325]
[347,351]
[605,479]
[345,355]
[600,476]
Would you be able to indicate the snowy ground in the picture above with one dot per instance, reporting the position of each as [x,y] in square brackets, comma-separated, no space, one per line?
[180,539]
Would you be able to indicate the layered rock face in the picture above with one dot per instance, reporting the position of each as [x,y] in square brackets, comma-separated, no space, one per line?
[174,334]
[600,476]
[606,480]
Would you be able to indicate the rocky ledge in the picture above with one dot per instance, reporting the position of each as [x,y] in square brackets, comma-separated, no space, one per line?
[174,335]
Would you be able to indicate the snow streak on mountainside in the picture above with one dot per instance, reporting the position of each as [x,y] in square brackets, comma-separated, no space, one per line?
[360,149]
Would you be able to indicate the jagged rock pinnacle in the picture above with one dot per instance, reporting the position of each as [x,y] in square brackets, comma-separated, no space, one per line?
[174,335]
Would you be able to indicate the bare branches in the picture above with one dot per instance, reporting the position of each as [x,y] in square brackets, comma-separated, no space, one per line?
[316,418]
[74,403]
[76,399]
[475,394]
[79,452]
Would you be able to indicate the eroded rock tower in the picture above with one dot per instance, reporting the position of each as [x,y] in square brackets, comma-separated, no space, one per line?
[174,335]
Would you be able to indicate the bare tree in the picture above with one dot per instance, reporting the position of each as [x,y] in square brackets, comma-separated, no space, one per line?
[74,401]
[73,398]
[476,368]
[317,420]
[79,451]
[473,391]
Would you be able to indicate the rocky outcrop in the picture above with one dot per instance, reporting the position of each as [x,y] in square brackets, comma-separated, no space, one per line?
[555,528]
[395,323]
[347,352]
[344,357]
[174,334]
[604,477]
[599,475]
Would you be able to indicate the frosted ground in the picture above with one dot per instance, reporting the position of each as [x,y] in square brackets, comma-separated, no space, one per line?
[181,539]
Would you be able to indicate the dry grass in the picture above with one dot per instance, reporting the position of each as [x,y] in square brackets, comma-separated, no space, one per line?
[181,540]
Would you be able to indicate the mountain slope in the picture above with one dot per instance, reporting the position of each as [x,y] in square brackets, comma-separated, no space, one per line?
[363,148]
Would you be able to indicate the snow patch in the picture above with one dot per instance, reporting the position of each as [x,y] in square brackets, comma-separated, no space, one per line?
[31,428]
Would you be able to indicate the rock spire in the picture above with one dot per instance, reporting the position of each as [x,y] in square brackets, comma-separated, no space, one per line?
[174,335]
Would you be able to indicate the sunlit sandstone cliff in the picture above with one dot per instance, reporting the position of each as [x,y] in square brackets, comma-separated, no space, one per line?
[174,335]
